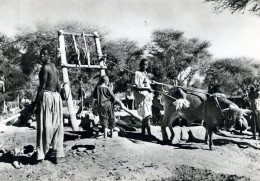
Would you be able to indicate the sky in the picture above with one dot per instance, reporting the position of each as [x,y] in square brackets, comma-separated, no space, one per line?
[230,35]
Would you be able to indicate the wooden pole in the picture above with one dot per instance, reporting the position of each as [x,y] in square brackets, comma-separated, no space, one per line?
[71,109]
[99,52]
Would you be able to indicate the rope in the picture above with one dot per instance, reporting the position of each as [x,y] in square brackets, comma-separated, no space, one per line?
[87,51]
[76,49]
[166,95]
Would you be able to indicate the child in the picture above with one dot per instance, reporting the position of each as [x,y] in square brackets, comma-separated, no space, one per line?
[105,100]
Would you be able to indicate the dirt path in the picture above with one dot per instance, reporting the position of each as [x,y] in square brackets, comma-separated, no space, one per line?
[131,157]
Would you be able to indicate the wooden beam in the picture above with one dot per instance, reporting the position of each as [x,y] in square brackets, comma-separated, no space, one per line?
[78,34]
[83,66]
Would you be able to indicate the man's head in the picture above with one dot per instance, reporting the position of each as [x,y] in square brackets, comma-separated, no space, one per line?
[104,80]
[143,64]
[45,55]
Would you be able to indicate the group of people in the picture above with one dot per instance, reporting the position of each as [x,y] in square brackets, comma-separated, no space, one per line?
[48,106]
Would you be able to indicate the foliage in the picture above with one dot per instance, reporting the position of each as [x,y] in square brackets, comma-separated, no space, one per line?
[126,54]
[233,74]
[176,58]
[255,80]
[253,6]
[15,79]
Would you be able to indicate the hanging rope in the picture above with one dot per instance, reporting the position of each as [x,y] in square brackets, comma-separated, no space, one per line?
[82,92]
[86,48]
[76,49]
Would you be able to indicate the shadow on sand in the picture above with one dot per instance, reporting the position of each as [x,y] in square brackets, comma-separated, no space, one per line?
[138,137]
[234,132]
[87,147]
[74,135]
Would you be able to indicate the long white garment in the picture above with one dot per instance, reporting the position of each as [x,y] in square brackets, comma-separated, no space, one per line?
[50,131]
[143,99]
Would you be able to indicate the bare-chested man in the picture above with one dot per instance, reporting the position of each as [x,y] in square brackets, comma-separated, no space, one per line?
[48,109]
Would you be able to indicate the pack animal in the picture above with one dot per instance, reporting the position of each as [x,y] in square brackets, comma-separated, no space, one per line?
[192,106]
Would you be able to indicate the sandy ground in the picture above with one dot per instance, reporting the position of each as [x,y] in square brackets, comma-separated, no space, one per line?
[132,157]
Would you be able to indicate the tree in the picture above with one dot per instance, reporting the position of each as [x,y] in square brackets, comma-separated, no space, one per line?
[127,54]
[255,80]
[233,74]
[15,79]
[253,6]
[176,58]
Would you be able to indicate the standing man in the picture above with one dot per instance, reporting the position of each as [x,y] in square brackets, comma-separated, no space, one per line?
[255,107]
[143,96]
[48,109]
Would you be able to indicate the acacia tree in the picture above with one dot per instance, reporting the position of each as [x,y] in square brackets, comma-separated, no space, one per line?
[233,74]
[175,58]
[253,6]
[124,53]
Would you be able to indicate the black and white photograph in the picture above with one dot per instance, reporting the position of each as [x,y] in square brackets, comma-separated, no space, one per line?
[141,90]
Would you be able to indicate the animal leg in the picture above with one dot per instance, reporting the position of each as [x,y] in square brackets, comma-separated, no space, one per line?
[148,126]
[210,139]
[181,136]
[206,135]
[172,132]
[163,128]
[143,126]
